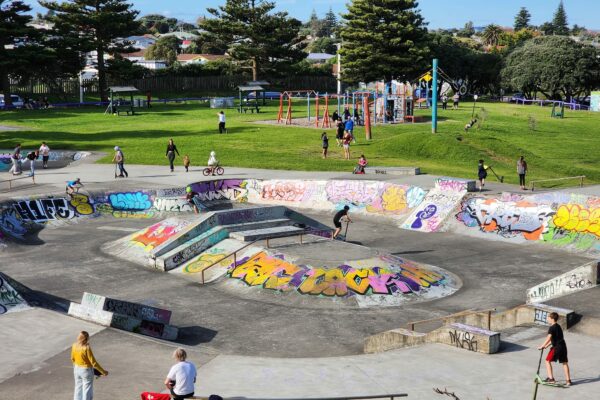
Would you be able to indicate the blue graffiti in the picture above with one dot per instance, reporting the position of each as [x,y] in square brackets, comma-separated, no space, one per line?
[427,213]
[130,201]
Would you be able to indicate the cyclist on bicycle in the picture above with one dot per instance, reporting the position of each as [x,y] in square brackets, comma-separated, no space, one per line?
[213,163]
[73,186]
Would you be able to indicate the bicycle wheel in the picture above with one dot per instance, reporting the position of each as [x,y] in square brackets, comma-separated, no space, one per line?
[220,171]
[206,171]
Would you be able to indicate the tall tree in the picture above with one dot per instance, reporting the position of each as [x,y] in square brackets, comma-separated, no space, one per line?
[467,31]
[522,19]
[330,24]
[96,25]
[268,41]
[559,22]
[15,41]
[383,39]
[166,48]
[492,34]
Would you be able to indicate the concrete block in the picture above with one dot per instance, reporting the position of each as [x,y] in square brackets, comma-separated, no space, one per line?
[400,171]
[467,337]
[578,279]
[100,317]
[267,233]
[393,339]
[538,314]
[140,311]
[449,183]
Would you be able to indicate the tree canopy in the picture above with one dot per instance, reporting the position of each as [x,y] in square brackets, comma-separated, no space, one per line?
[166,48]
[556,66]
[522,19]
[269,41]
[383,39]
[559,22]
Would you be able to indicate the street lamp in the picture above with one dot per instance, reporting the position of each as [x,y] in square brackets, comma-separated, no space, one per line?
[339,68]
[474,102]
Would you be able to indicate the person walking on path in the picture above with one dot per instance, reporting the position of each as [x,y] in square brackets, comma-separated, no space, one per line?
[186,162]
[558,352]
[45,152]
[337,220]
[346,144]
[16,161]
[119,159]
[481,174]
[31,157]
[84,367]
[522,171]
[222,122]
[325,141]
[170,154]
[455,100]
[181,377]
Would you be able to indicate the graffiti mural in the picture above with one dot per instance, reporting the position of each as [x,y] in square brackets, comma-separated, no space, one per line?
[386,275]
[437,205]
[575,218]
[172,204]
[227,189]
[82,204]
[130,201]
[10,299]
[159,233]
[11,224]
[43,210]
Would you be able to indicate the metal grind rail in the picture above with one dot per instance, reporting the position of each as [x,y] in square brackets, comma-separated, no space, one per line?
[580,177]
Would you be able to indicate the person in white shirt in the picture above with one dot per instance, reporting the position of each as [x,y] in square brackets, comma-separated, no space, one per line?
[213,162]
[45,152]
[182,376]
[222,122]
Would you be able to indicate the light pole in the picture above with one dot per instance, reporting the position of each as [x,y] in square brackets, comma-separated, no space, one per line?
[339,68]
[474,102]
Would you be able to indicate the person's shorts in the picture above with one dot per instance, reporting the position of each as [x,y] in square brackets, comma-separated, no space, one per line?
[337,224]
[325,147]
[339,136]
[558,354]
[346,146]
[45,158]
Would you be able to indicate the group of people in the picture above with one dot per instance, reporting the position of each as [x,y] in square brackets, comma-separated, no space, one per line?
[344,136]
[18,159]
[180,379]
[522,169]
[455,100]
[32,104]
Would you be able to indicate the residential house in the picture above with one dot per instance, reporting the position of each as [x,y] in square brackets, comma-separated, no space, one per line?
[184,59]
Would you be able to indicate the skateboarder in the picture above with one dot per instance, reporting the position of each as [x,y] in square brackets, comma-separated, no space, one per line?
[337,220]
[558,352]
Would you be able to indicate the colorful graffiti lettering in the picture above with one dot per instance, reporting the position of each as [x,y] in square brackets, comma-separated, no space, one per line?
[9,297]
[159,233]
[427,213]
[130,201]
[274,273]
[285,191]
[172,204]
[82,204]
[43,210]
[11,224]
[228,189]
[351,192]
[574,218]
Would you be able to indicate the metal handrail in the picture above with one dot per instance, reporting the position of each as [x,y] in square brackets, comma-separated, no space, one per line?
[458,314]
[581,177]
[233,253]
[16,179]
[382,396]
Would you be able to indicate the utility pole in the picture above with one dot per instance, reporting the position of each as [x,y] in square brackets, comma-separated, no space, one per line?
[434,97]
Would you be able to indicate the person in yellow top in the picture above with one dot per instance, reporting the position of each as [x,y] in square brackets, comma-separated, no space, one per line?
[84,364]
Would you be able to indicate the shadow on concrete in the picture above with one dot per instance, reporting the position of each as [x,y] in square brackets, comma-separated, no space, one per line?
[39,299]
[195,335]
[508,347]
[583,381]
[411,252]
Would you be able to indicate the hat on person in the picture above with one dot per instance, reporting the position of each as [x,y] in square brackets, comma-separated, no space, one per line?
[117,148]
[188,189]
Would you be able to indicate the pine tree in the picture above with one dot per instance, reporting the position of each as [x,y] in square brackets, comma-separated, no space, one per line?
[522,19]
[383,39]
[559,22]
[330,24]
[267,41]
[95,25]
[13,25]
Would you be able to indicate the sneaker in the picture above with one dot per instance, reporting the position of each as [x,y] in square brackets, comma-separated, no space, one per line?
[549,380]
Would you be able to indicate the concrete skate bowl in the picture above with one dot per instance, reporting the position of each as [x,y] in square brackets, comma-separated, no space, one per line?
[57,159]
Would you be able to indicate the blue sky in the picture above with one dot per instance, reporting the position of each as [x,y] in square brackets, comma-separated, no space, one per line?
[439,13]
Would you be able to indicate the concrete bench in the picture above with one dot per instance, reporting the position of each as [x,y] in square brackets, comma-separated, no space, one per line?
[469,337]
[267,233]
[400,171]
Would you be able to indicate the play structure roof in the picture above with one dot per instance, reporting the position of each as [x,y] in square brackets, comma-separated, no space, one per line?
[123,89]
[251,88]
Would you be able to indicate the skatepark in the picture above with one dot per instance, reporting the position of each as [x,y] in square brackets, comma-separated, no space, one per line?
[434,286]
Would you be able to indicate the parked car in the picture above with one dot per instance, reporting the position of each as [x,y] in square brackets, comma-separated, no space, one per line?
[517,97]
[16,101]
[268,95]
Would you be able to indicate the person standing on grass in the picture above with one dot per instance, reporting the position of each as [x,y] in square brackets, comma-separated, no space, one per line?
[346,144]
[335,116]
[340,132]
[222,122]
[349,127]
[181,378]
[481,174]
[170,154]
[325,141]
[45,151]
[84,367]
[445,102]
[522,170]
[119,159]
[558,352]
[455,100]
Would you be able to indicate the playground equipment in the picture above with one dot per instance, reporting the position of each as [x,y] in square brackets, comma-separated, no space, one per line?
[118,106]
[394,102]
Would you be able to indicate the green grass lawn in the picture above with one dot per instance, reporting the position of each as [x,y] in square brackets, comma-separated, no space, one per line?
[557,148]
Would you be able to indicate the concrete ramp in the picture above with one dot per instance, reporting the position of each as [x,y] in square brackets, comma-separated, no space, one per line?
[10,299]
[437,206]
[193,268]
[585,277]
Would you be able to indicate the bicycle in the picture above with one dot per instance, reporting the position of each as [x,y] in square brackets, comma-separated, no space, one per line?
[213,171]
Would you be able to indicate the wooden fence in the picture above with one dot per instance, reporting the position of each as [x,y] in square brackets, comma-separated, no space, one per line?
[171,84]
